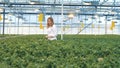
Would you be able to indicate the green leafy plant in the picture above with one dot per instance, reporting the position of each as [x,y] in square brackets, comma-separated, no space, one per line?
[75,51]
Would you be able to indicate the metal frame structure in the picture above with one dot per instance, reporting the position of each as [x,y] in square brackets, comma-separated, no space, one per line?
[19,8]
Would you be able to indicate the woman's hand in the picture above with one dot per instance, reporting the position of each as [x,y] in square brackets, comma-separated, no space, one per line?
[49,36]
[46,36]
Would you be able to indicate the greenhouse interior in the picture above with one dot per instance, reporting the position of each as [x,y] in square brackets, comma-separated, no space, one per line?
[59,34]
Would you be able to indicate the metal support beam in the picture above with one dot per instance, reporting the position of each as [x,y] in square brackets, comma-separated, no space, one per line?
[105,24]
[3,21]
[62,21]
[58,13]
[64,4]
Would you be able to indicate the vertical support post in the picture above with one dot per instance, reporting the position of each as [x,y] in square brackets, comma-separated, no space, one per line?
[62,21]
[3,21]
[106,24]
[18,24]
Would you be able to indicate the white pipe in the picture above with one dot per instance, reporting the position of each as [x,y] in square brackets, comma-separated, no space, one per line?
[62,22]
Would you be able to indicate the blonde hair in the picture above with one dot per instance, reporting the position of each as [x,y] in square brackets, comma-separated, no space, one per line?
[52,22]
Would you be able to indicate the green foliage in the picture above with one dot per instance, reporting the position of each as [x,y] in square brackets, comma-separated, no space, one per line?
[75,51]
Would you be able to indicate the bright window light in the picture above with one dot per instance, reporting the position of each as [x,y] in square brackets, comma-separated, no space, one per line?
[71,15]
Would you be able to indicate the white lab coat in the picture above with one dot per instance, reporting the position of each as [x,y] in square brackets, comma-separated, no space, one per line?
[52,31]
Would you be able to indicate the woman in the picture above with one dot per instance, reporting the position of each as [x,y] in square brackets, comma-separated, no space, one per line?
[51,29]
